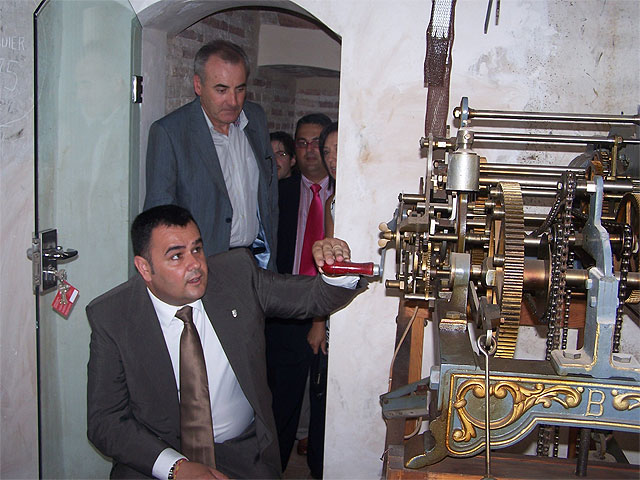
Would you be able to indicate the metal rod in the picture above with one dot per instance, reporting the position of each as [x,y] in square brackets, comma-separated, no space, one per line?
[550,169]
[538,193]
[583,454]
[550,184]
[549,117]
[487,416]
[619,186]
[554,139]
[530,172]
[534,182]
[412,198]
[487,346]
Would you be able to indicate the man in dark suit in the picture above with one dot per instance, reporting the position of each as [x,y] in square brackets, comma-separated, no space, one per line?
[133,375]
[213,157]
[293,348]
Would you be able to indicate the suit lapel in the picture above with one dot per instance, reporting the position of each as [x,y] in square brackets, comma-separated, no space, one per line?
[264,163]
[265,177]
[237,344]
[153,350]
[205,146]
[289,203]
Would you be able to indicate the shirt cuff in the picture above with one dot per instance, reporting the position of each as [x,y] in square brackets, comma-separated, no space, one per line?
[164,462]
[344,281]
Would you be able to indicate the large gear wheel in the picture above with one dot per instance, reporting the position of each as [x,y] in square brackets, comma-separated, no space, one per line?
[507,242]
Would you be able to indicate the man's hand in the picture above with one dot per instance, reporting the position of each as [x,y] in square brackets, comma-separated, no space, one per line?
[195,470]
[329,251]
[317,336]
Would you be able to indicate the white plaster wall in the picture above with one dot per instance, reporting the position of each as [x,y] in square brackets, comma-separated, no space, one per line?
[382,110]
[18,410]
[548,55]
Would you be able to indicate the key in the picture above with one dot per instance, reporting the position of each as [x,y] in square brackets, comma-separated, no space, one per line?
[63,286]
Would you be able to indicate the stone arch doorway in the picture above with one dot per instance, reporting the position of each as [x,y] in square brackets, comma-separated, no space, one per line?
[295,58]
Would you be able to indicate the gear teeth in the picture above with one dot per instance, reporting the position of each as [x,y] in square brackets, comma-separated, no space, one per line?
[510,295]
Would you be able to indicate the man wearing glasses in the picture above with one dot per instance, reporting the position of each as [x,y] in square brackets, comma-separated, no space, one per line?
[294,348]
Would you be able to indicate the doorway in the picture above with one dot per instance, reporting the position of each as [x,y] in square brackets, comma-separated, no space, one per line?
[89,141]
[86,52]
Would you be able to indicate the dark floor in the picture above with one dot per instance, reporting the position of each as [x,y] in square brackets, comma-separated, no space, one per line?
[297,468]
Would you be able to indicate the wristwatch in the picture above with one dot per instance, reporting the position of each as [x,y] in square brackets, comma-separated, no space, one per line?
[174,468]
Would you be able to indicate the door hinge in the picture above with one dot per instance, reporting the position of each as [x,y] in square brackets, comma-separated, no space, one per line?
[136,89]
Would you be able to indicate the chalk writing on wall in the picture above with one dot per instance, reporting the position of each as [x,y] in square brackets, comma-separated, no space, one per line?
[12,43]
[13,78]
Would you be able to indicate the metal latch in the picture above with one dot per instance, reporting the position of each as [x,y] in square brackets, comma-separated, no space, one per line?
[44,255]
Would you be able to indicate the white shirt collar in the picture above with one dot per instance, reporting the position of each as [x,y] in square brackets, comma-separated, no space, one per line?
[323,183]
[166,312]
[241,122]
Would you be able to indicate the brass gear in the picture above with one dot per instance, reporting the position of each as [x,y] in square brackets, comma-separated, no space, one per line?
[507,241]
[425,268]
[478,253]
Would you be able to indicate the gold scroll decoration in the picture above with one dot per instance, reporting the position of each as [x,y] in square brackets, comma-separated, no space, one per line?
[625,401]
[523,400]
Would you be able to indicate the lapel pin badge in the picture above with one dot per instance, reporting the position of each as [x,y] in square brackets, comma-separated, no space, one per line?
[234,312]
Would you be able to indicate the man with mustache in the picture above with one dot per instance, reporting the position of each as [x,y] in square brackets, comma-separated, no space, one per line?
[134,374]
[213,157]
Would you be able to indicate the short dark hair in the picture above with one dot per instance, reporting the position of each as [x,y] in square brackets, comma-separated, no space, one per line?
[144,224]
[313,119]
[287,142]
[227,51]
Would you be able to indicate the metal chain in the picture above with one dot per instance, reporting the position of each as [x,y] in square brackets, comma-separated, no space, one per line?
[557,313]
[556,440]
[551,217]
[625,263]
[551,312]
[559,260]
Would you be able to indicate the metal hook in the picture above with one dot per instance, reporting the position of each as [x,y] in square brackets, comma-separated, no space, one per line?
[488,346]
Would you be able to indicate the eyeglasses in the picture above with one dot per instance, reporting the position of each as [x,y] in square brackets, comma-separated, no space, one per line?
[302,143]
[281,153]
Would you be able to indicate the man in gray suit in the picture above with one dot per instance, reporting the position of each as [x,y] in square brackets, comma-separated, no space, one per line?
[133,375]
[213,157]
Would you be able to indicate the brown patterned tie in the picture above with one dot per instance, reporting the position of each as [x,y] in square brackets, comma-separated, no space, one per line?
[196,427]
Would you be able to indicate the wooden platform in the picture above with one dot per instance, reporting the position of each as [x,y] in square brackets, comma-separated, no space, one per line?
[505,467]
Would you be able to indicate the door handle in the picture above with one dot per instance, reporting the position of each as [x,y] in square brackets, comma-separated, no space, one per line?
[44,255]
[58,253]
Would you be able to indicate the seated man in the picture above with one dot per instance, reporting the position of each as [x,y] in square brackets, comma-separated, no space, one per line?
[142,391]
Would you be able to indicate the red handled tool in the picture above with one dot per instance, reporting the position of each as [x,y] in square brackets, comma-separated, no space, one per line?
[368,269]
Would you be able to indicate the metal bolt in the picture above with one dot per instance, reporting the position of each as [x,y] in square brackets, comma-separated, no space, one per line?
[571,355]
[622,357]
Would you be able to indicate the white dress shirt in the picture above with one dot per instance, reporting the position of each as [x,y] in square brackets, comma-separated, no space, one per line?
[241,176]
[230,410]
